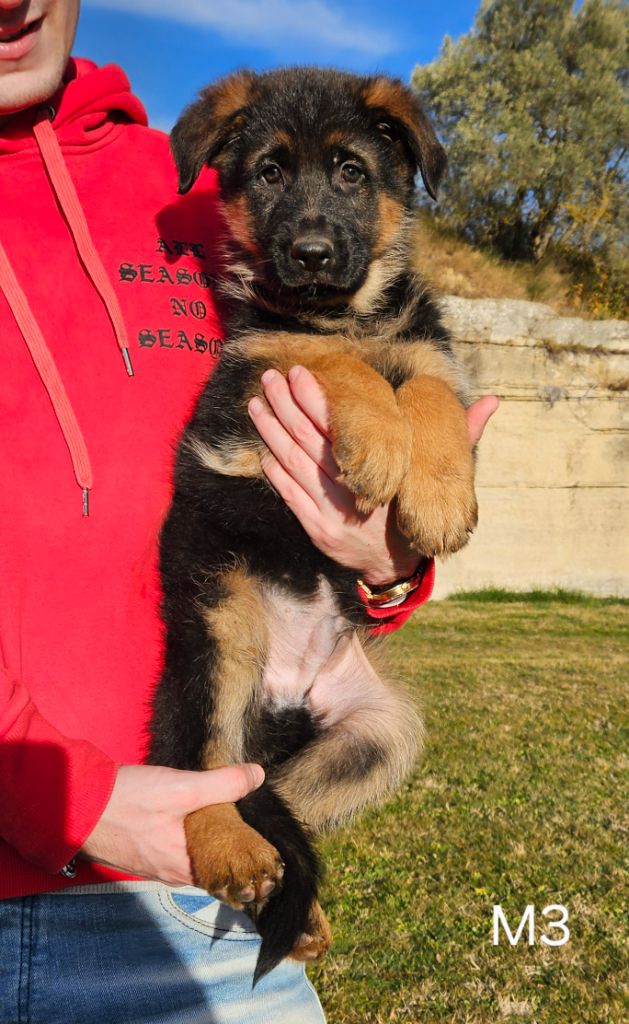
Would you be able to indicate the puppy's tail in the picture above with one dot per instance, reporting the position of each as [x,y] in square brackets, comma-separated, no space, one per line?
[285,916]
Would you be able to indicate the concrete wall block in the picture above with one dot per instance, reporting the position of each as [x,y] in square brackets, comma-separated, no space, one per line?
[553,480]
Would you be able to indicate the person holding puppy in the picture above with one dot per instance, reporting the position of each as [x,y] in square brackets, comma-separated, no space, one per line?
[108,330]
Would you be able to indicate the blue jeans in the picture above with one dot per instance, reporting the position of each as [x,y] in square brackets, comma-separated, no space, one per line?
[134,953]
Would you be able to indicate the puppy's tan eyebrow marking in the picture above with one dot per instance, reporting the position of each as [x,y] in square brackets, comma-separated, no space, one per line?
[337,137]
[279,147]
[280,139]
[341,139]
[345,147]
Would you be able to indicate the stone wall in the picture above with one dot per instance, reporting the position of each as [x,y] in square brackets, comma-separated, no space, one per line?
[553,464]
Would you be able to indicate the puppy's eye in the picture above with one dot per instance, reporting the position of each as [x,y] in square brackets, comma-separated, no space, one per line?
[272,174]
[351,173]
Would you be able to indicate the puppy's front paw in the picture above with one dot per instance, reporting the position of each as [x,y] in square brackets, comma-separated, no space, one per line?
[370,435]
[438,512]
[436,504]
[231,860]
[372,450]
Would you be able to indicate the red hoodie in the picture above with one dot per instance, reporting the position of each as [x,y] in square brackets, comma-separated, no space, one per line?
[104,270]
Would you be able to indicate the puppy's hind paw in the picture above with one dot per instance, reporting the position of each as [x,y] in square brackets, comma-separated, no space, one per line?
[315,942]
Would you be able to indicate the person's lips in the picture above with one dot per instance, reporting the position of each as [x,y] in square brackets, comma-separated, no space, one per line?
[18,40]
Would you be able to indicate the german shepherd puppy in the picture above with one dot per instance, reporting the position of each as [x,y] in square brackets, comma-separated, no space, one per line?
[268,656]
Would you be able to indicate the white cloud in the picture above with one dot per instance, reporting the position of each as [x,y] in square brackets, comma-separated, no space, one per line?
[266,22]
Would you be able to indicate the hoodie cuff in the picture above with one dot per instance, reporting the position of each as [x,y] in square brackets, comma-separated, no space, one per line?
[54,789]
[391,618]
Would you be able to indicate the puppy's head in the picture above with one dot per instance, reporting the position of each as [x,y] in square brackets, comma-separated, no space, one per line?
[317,172]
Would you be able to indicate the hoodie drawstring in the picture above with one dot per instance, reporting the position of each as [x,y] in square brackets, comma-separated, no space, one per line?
[47,369]
[65,192]
[64,189]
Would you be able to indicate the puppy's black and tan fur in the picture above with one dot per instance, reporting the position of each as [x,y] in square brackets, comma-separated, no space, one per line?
[268,656]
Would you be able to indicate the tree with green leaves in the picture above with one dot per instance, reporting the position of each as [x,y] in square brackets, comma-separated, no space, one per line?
[532,106]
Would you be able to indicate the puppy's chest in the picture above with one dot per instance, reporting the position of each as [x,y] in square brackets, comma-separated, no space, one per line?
[314,657]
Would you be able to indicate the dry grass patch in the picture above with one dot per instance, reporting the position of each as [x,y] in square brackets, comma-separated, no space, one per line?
[453,267]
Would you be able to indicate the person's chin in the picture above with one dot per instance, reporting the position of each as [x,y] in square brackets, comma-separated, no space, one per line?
[26,86]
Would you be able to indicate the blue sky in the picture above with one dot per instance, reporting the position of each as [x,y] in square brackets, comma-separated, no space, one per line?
[171,49]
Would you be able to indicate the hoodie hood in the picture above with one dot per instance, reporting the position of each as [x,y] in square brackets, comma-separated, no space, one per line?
[90,104]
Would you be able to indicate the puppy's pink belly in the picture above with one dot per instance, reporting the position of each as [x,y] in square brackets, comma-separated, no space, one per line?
[314,658]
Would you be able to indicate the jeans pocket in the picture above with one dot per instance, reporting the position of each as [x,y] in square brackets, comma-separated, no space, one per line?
[200,912]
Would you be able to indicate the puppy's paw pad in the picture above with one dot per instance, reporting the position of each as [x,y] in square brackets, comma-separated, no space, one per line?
[243,869]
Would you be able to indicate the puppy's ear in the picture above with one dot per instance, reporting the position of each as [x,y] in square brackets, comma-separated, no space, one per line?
[209,125]
[400,118]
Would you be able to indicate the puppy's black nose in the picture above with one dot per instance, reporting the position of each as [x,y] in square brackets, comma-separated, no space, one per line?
[313,252]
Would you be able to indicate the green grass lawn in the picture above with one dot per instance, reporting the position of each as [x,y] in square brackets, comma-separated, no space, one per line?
[521,798]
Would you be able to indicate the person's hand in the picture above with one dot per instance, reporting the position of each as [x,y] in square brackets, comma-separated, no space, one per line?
[141,830]
[478,416]
[301,467]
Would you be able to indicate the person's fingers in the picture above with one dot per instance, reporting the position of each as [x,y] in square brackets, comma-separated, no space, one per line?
[310,395]
[320,500]
[290,491]
[296,424]
[298,463]
[225,785]
[306,473]
[479,414]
